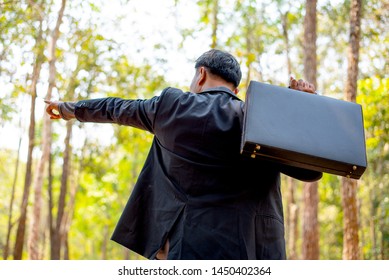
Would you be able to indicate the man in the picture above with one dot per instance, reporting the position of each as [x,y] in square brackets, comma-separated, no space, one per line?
[196,196]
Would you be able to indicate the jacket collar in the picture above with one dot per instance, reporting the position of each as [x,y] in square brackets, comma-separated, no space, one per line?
[221,89]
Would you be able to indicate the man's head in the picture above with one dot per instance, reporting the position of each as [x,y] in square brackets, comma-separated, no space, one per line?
[216,68]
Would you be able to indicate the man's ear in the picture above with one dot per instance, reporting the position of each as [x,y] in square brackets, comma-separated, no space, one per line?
[203,75]
[236,90]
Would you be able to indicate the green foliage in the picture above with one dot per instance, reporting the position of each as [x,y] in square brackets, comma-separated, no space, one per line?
[7,176]
[6,110]
[93,63]
[375,39]
[374,98]
[97,202]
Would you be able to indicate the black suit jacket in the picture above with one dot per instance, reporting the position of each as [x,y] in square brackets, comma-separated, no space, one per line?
[195,188]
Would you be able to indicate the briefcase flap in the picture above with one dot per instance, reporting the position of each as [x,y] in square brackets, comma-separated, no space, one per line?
[304,130]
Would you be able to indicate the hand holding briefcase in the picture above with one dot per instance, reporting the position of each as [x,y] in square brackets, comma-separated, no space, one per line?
[308,131]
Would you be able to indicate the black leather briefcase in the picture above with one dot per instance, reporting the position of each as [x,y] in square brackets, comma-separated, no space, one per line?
[304,130]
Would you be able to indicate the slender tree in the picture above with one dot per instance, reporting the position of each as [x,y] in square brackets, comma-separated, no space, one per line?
[215,23]
[310,225]
[253,33]
[285,25]
[292,211]
[12,200]
[39,59]
[46,143]
[59,228]
[85,40]
[349,186]
[209,15]
[284,18]
[292,208]
[63,217]
[50,204]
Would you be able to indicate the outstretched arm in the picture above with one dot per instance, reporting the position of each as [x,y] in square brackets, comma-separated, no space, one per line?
[139,113]
[295,172]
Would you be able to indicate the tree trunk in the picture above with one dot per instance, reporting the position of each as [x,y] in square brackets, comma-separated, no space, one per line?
[126,254]
[50,206]
[349,186]
[44,243]
[372,223]
[285,27]
[65,242]
[383,231]
[60,222]
[292,207]
[11,203]
[104,244]
[33,244]
[249,61]
[310,228]
[361,225]
[69,218]
[310,60]
[20,233]
[46,143]
[215,23]
[353,50]
[74,188]
[350,219]
[292,219]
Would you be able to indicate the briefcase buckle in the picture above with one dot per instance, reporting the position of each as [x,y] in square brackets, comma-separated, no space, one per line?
[354,169]
[257,148]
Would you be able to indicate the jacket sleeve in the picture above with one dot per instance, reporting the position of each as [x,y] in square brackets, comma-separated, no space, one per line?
[301,174]
[139,113]
[66,110]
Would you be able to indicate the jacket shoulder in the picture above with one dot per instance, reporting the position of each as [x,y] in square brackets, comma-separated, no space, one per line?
[172,92]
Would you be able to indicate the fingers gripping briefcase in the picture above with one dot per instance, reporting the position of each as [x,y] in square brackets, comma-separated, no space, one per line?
[304,130]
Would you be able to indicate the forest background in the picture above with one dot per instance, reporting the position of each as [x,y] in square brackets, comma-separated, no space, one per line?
[63,185]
